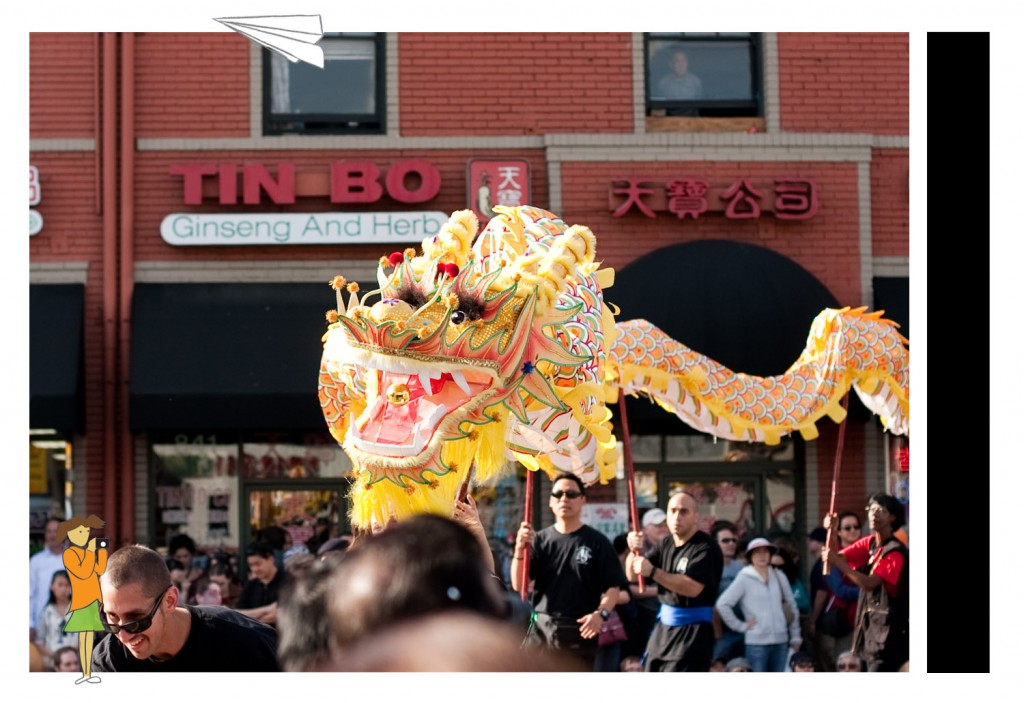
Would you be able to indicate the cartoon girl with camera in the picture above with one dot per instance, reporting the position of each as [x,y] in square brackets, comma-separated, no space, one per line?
[84,562]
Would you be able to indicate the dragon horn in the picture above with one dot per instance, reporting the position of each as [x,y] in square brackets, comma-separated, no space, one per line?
[569,251]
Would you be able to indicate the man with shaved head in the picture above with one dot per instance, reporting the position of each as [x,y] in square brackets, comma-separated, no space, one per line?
[686,566]
[151,630]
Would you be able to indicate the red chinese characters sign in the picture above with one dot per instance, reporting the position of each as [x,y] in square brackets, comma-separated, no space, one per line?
[739,199]
[498,182]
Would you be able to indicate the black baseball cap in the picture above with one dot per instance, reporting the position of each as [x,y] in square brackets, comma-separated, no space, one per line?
[818,534]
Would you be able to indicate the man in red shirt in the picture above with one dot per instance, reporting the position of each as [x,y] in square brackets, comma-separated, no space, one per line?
[879,565]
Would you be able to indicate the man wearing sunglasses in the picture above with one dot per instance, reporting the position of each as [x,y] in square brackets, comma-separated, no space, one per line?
[729,644]
[687,566]
[151,630]
[575,572]
[834,597]
[878,565]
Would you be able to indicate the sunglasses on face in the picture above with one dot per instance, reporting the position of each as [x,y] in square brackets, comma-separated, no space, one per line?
[568,494]
[844,528]
[141,625]
[728,540]
[848,667]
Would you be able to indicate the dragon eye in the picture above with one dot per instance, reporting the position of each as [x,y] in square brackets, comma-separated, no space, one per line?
[458,317]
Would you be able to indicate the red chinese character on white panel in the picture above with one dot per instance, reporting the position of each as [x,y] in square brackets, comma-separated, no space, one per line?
[687,196]
[633,189]
[34,190]
[795,198]
[742,200]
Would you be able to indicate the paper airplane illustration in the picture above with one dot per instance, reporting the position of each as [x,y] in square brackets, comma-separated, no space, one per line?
[292,36]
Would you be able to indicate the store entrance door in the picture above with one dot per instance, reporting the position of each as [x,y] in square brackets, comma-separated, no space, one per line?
[296,509]
[762,498]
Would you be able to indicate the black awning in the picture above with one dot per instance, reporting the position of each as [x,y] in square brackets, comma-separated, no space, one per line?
[893,296]
[218,356]
[747,307]
[55,357]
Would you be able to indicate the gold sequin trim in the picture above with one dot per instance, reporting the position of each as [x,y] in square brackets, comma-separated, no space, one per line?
[493,365]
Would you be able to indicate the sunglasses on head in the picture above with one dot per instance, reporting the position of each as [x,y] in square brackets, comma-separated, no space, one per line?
[141,625]
[568,494]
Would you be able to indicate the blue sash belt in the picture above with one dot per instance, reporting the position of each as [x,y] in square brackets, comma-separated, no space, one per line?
[673,616]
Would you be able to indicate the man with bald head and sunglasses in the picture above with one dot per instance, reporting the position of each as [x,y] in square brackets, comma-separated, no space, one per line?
[151,630]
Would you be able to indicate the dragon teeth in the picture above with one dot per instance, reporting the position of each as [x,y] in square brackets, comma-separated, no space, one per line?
[425,382]
[460,381]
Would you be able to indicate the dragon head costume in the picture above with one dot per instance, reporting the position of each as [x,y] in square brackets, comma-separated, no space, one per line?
[478,346]
[481,349]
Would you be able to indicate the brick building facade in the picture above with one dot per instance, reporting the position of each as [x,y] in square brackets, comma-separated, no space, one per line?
[115,118]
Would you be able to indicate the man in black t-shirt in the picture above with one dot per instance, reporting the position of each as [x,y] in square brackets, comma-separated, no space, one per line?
[151,631]
[687,566]
[261,591]
[575,572]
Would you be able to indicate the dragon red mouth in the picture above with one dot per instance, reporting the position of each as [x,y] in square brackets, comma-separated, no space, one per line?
[395,427]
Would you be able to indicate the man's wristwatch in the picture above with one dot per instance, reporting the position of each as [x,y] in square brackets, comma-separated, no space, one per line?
[604,614]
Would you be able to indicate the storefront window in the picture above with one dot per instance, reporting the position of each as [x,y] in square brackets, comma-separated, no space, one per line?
[694,448]
[195,490]
[50,482]
[296,511]
[645,449]
[501,510]
[645,486]
[750,484]
[779,493]
[294,457]
[210,486]
[732,500]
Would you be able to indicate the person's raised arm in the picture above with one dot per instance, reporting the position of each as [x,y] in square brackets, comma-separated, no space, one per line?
[524,539]
[635,541]
[868,582]
[467,515]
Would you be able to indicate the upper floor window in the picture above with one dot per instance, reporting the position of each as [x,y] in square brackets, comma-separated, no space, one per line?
[346,96]
[703,74]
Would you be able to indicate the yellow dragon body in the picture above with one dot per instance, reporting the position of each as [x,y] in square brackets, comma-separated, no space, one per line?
[481,349]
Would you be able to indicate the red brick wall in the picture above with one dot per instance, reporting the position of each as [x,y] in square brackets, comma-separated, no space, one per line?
[890,202]
[826,245]
[851,488]
[514,84]
[849,82]
[73,232]
[191,85]
[70,208]
[62,85]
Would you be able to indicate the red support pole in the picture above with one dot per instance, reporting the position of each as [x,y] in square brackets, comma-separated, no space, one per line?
[835,482]
[628,460]
[524,581]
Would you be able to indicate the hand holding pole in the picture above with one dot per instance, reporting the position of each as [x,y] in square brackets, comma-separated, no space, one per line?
[628,460]
[835,482]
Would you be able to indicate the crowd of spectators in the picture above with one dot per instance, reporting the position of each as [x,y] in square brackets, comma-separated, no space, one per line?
[385,601]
